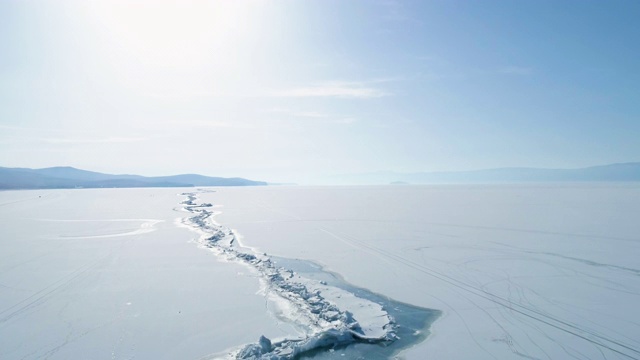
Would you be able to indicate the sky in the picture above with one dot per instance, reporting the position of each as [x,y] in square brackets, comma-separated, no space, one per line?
[294,91]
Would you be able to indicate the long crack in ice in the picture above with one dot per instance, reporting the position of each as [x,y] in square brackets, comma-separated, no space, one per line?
[330,316]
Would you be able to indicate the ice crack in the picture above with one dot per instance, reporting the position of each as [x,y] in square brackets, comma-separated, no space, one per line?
[329,324]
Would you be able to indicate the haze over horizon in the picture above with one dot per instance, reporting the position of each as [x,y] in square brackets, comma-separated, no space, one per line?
[290,91]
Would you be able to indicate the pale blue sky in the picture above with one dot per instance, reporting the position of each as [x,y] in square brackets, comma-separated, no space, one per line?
[291,90]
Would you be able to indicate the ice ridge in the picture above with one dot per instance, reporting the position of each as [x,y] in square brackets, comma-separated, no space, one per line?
[331,317]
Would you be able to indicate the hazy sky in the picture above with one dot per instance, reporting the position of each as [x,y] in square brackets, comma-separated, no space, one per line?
[286,90]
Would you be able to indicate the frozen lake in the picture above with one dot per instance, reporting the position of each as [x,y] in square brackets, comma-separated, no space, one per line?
[522,271]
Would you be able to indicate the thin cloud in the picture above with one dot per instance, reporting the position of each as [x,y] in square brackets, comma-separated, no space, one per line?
[35,129]
[337,89]
[212,124]
[345,121]
[187,94]
[310,114]
[108,140]
[295,113]
[10,127]
[314,116]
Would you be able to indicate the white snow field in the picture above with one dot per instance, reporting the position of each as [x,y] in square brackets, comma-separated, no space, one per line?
[111,274]
[506,271]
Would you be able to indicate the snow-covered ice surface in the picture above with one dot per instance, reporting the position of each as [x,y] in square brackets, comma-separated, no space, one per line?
[522,271]
[108,274]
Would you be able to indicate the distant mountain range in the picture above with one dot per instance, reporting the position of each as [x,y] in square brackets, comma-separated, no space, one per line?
[69,177]
[604,173]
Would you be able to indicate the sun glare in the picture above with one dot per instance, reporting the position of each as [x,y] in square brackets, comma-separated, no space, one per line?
[172,35]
